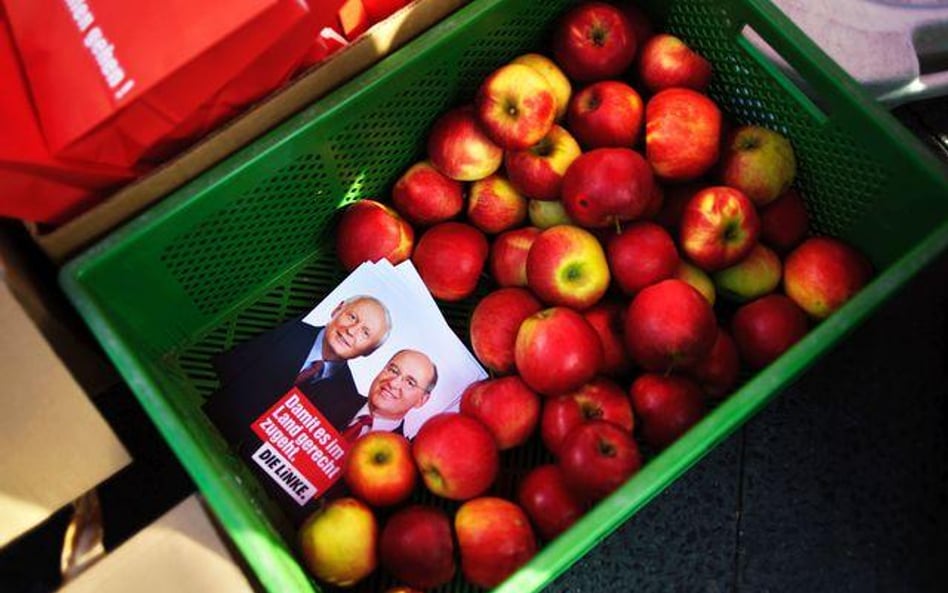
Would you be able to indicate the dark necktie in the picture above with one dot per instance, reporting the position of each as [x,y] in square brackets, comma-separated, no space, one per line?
[314,370]
[355,429]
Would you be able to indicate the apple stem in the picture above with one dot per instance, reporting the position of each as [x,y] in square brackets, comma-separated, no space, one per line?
[618,226]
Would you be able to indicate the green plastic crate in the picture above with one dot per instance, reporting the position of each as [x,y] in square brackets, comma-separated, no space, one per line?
[248,244]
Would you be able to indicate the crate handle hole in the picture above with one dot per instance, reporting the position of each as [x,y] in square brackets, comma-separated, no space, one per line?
[784,73]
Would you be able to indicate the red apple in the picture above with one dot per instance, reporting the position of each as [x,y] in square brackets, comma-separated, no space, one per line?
[494,538]
[719,227]
[759,162]
[665,61]
[682,134]
[557,351]
[338,542]
[544,214]
[548,501]
[508,256]
[718,372]
[424,196]
[669,325]
[417,547]
[754,276]
[567,266]
[369,231]
[494,324]
[600,399]
[823,273]
[538,171]
[784,223]
[562,89]
[506,406]
[594,41]
[379,469]
[494,205]
[666,406]
[606,186]
[642,255]
[456,456]
[516,106]
[764,329]
[450,257]
[606,318]
[698,280]
[459,148]
[608,113]
[597,457]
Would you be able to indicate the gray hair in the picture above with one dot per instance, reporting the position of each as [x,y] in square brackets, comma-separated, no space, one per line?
[388,317]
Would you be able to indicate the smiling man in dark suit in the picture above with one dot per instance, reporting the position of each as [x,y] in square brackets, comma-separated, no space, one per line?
[314,359]
[404,384]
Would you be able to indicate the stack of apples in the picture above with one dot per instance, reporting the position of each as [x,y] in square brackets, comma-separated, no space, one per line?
[637,255]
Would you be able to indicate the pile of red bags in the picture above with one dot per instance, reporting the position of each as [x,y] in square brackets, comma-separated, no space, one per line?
[97,92]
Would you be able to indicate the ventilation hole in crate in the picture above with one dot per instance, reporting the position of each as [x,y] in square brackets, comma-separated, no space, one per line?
[242,244]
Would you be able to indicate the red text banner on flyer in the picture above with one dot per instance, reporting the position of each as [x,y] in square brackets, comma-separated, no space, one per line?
[301,450]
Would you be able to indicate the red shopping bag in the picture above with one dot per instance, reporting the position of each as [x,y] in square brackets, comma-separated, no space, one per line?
[120,83]
[34,185]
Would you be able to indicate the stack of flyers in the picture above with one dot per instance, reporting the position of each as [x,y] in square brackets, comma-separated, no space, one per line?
[374,354]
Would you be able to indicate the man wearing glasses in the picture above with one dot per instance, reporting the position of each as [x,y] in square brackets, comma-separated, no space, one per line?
[404,383]
[313,359]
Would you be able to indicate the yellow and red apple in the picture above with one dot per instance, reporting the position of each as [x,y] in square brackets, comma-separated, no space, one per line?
[369,231]
[516,106]
[379,469]
[507,261]
[754,276]
[538,170]
[719,227]
[682,134]
[758,161]
[559,83]
[460,149]
[665,61]
[424,196]
[494,538]
[567,266]
[494,205]
[823,273]
[338,542]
